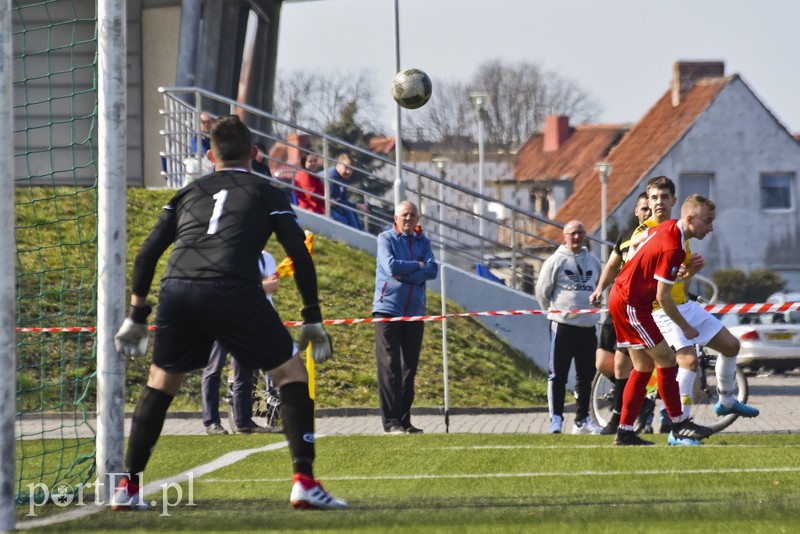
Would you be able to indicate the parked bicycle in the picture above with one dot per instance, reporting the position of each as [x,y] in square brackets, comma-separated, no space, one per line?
[704,393]
[266,400]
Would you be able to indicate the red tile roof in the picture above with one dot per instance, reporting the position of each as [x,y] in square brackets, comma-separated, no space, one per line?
[384,145]
[638,151]
[574,160]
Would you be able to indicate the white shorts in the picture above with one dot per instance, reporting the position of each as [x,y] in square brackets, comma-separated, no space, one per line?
[706,324]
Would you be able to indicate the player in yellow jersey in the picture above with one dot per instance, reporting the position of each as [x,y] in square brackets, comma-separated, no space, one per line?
[610,360]
[712,333]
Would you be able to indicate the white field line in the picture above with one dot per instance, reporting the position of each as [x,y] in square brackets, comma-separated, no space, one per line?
[644,472]
[600,446]
[154,487]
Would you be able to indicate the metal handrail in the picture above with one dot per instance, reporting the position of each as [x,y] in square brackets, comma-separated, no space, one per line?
[512,246]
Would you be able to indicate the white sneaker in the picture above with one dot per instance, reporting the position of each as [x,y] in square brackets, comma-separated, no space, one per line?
[587,426]
[308,493]
[128,497]
[557,424]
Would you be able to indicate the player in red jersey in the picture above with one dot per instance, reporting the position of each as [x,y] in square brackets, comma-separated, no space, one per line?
[648,276]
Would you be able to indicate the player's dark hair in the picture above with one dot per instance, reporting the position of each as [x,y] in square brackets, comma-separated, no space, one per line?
[231,140]
[661,182]
[642,196]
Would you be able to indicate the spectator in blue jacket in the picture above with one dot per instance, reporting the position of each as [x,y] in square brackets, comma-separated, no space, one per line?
[405,262]
[344,210]
[205,128]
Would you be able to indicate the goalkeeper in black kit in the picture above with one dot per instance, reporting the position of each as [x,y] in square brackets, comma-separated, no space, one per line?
[219,224]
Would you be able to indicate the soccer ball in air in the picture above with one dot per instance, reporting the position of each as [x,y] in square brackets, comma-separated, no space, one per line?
[411,88]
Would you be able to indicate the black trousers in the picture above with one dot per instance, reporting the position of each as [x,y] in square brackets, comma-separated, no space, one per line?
[397,348]
[569,343]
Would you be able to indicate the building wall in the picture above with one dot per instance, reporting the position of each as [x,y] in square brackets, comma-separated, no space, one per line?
[53,112]
[736,139]
[152,42]
[134,96]
[160,34]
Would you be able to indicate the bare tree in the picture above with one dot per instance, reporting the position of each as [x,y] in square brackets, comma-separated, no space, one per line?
[565,97]
[290,94]
[522,95]
[446,115]
[316,99]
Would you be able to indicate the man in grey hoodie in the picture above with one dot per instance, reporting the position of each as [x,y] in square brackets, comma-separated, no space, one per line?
[566,281]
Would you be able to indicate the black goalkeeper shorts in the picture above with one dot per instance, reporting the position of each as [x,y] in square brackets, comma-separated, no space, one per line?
[608,337]
[192,314]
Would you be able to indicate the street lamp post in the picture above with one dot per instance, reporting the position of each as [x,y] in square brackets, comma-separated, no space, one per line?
[441,170]
[399,186]
[441,167]
[604,171]
[481,100]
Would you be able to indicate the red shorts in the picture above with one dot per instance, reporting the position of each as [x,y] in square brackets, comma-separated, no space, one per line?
[635,327]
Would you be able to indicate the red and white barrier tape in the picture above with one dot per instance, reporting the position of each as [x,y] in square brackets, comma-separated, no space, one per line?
[711,308]
[65,330]
[441,317]
[753,308]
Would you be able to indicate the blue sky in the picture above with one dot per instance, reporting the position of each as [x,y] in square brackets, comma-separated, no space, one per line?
[620,51]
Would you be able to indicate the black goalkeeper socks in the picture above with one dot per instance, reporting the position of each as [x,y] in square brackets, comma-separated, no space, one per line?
[148,420]
[297,412]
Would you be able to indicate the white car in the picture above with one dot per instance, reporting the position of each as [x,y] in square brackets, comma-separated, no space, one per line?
[769,341]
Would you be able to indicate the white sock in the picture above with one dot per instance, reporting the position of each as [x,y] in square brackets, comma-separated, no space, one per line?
[685,379]
[726,379]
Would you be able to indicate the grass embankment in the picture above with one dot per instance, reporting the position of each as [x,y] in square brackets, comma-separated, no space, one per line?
[484,371]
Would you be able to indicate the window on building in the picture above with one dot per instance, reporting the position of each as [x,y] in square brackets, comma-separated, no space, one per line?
[691,184]
[776,191]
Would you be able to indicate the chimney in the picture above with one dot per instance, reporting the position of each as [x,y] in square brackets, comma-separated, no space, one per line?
[556,131]
[685,74]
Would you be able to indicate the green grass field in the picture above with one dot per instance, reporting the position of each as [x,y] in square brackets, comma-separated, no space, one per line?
[484,370]
[475,483]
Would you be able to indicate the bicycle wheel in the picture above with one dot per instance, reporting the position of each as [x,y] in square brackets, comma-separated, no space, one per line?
[266,401]
[706,397]
[602,399]
[228,398]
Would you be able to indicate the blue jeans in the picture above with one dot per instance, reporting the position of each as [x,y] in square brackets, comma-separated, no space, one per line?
[348,217]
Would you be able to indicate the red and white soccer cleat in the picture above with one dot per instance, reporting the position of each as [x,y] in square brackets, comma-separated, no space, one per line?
[128,497]
[308,494]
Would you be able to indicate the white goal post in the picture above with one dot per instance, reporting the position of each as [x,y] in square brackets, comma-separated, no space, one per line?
[111,237]
[111,261]
[8,262]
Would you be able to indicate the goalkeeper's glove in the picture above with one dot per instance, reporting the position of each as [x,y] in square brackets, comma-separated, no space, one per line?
[133,335]
[321,346]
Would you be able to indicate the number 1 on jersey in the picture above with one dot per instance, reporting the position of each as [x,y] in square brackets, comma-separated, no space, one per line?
[219,202]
